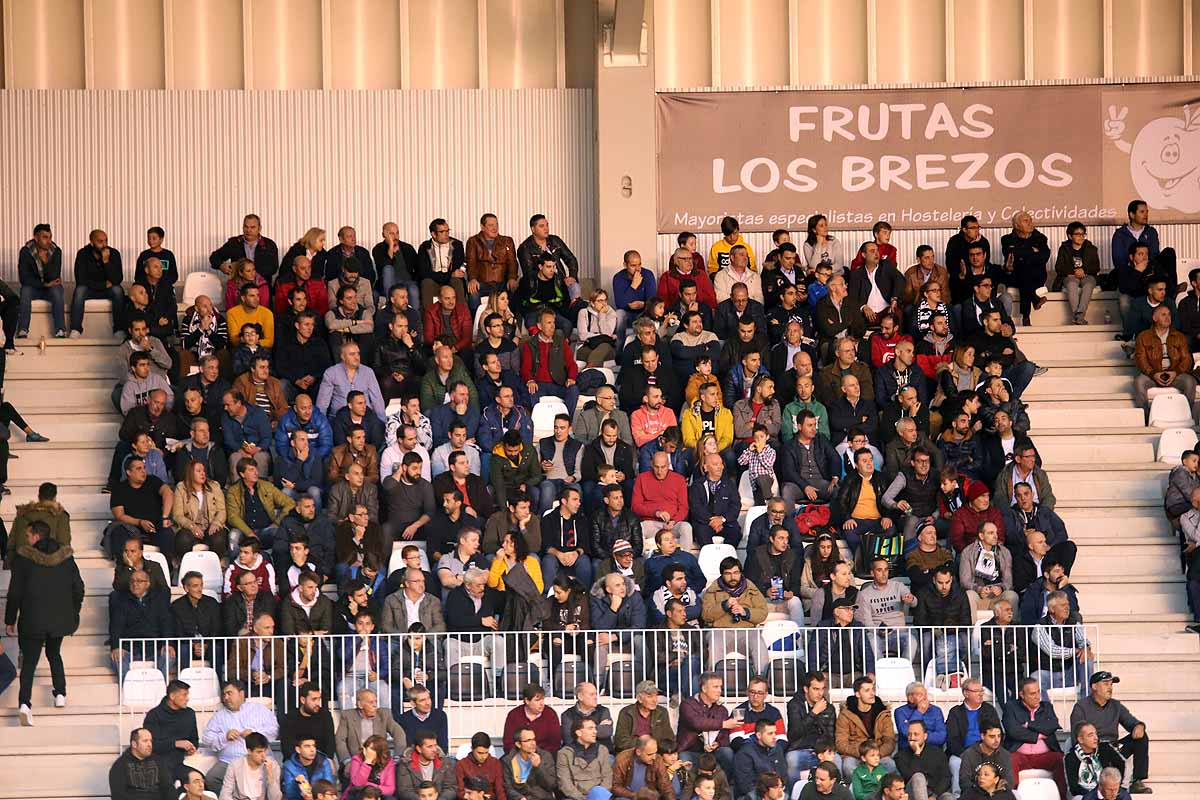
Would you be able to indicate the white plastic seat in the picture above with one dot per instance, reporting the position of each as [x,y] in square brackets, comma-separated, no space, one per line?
[206,283]
[208,564]
[746,490]
[394,406]
[480,313]
[1173,442]
[893,674]
[1038,788]
[609,377]
[143,687]
[206,686]
[1156,391]
[783,638]
[711,556]
[751,515]
[158,558]
[1171,410]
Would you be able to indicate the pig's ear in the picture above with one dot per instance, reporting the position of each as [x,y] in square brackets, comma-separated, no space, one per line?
[1191,118]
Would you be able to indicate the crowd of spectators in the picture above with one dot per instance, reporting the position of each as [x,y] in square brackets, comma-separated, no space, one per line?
[336,406]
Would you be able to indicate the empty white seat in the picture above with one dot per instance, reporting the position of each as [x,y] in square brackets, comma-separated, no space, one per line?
[206,283]
[1171,410]
[1038,788]
[1173,442]
[543,415]
[208,564]
[711,556]
[143,687]
[893,674]
[1155,391]
[782,637]
[394,407]
[206,686]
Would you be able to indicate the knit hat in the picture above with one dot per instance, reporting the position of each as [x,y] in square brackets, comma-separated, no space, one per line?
[976,489]
[621,546]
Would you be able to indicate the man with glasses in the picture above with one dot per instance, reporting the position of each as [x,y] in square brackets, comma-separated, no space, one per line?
[588,421]
[441,261]
[957,261]
[412,604]
[987,291]
[529,771]
[966,724]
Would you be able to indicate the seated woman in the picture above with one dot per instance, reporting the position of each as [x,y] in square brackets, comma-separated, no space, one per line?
[596,331]
[243,273]
[366,663]
[199,513]
[517,574]
[374,766]
[513,551]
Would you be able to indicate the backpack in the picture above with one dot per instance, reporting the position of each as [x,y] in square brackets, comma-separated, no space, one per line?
[810,517]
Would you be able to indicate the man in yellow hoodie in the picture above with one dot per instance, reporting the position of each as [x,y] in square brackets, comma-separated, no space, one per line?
[731,237]
[709,416]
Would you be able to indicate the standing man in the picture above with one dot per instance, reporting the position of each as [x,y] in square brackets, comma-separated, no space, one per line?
[44,598]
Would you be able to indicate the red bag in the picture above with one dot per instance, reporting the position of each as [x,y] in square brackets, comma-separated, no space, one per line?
[810,517]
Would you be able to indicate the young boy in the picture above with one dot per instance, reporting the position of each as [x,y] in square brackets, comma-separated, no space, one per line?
[702,375]
[759,458]
[864,781]
[820,285]
[243,356]
[324,790]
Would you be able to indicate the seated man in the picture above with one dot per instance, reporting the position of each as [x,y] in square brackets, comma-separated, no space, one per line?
[253,506]
[991,343]
[708,416]
[860,709]
[460,477]
[548,365]
[514,466]
[714,505]
[246,431]
[450,322]
[1035,597]
[942,610]
[141,507]
[561,458]
[985,571]
[349,321]
[1064,654]
[843,649]
[660,499]
[775,568]
[357,412]
[667,552]
[584,766]
[968,724]
[346,376]
[923,764]
[1164,359]
[705,724]
[732,601]
[529,770]
[1031,735]
[409,499]
[140,382]
[353,450]
[98,276]
[860,507]
[1107,716]
[139,613]
[882,604]
[811,467]
[566,540]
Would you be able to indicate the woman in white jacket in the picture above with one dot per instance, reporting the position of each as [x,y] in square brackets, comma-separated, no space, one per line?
[596,331]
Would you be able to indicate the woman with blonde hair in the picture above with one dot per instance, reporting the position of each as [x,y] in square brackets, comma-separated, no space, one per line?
[498,303]
[242,273]
[199,513]
[596,330]
[311,244]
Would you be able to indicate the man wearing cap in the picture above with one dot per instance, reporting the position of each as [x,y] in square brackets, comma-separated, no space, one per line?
[843,649]
[1108,716]
[624,562]
[964,525]
[644,718]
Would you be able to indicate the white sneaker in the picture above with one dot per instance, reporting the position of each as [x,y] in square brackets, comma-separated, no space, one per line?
[76,334]
[26,716]
[60,701]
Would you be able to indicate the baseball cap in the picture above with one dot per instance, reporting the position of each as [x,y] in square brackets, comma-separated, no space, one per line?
[844,602]
[1104,675]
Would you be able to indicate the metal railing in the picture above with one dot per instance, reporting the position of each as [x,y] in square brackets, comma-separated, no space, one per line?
[477,678]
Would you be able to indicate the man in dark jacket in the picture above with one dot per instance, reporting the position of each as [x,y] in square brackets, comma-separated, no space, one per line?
[138,774]
[536,765]
[252,245]
[39,269]
[924,767]
[714,505]
[871,520]
[810,719]
[810,465]
[613,522]
[301,358]
[98,276]
[1030,720]
[173,726]
[760,754]
[196,614]
[943,604]
[308,720]
[138,613]
[44,598]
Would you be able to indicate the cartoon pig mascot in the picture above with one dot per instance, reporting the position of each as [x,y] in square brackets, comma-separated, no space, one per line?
[1164,159]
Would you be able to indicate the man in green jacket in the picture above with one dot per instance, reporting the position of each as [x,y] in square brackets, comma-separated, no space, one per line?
[255,507]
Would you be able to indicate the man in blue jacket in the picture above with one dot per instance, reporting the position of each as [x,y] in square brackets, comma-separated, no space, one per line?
[760,754]
[714,505]
[246,431]
[919,708]
[306,766]
[304,416]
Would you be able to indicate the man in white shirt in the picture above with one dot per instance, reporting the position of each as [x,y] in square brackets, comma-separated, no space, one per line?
[393,455]
[738,271]
[227,729]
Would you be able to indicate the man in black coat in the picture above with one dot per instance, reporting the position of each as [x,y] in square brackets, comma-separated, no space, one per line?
[874,274]
[44,598]
[173,726]
[196,614]
[138,613]
[252,245]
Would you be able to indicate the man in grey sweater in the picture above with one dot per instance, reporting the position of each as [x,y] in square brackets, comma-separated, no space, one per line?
[986,749]
[882,604]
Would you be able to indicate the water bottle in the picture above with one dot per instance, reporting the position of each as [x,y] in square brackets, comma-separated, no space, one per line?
[42,346]
[1107,317]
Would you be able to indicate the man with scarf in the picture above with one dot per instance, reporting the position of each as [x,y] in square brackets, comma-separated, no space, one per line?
[674,587]
[585,765]
[732,601]
[1086,760]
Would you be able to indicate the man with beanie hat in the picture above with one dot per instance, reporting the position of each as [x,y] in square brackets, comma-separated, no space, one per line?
[964,525]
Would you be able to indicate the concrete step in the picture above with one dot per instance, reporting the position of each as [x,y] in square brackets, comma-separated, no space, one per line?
[1147,560]
[1082,416]
[1124,624]
[97,319]
[1125,480]
[83,459]
[1093,449]
[81,427]
[1055,313]
[1048,346]
[68,355]
[1116,400]
[90,391]
[1103,598]
[1061,382]
[1083,526]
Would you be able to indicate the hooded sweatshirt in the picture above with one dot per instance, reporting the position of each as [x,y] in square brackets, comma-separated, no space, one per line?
[169,725]
[262,568]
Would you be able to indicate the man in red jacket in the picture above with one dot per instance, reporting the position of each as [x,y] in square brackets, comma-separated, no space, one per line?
[547,364]
[682,266]
[449,318]
[966,522]
[660,500]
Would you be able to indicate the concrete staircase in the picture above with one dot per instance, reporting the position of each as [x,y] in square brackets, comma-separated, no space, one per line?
[1096,447]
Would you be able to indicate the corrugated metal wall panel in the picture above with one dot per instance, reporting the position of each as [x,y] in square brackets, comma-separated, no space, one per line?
[1184,238]
[194,162]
